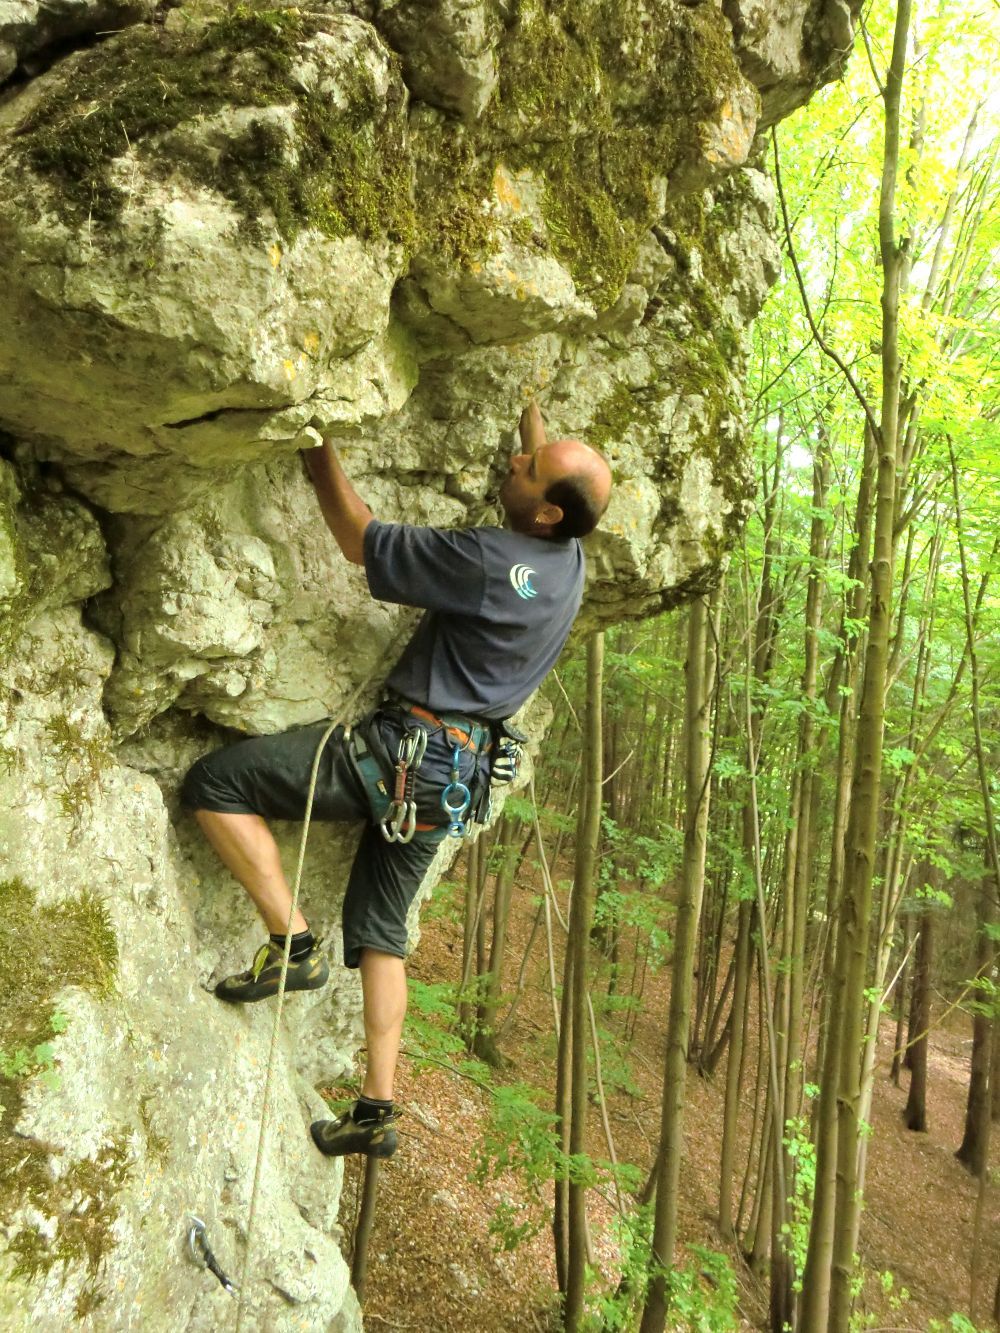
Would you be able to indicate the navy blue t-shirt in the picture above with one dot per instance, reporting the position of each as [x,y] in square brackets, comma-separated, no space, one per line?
[499,607]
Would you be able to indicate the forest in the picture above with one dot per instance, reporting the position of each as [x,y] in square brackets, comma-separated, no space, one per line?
[763,826]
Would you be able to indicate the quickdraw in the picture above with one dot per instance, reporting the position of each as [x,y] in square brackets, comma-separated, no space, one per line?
[456,799]
[203,1256]
[400,821]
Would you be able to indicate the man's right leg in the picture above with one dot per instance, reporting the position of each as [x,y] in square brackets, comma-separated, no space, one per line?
[230,791]
[384,880]
[383,985]
[246,847]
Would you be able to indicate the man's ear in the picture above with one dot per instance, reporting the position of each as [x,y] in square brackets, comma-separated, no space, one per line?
[548,516]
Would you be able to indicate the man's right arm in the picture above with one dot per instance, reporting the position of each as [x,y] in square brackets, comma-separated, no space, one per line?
[346,514]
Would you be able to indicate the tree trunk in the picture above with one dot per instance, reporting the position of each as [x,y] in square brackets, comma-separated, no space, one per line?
[730,1122]
[581,912]
[995,1072]
[489,991]
[698,694]
[902,990]
[915,1112]
[973,1150]
[475,878]
[859,857]
[841,685]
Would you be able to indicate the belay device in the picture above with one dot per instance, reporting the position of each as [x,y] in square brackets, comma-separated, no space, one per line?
[456,799]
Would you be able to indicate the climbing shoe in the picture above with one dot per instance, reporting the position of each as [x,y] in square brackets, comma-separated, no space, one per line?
[337,1138]
[306,973]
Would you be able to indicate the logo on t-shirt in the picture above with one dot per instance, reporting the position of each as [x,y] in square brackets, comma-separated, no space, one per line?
[520,577]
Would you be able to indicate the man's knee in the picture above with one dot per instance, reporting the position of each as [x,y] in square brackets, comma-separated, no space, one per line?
[193,791]
[208,786]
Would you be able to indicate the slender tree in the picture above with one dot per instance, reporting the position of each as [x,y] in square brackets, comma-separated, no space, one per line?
[577,981]
[699,676]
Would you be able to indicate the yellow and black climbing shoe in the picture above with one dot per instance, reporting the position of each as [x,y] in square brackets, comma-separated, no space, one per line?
[306,973]
[337,1138]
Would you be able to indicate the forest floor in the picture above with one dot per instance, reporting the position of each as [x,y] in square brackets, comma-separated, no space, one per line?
[435,1267]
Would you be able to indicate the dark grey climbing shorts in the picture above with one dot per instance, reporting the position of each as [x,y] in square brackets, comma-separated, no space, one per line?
[269,776]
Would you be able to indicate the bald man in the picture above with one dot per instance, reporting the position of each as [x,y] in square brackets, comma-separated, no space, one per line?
[499,604]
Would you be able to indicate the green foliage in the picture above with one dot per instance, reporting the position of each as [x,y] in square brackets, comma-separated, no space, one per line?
[895,1297]
[617,1073]
[511,1224]
[430,1031]
[520,1134]
[521,1137]
[802,1154]
[615,1309]
[984,998]
[703,1294]
[24,1063]
[956,1323]
[446,903]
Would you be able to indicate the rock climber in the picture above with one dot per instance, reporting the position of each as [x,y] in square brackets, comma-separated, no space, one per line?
[498,604]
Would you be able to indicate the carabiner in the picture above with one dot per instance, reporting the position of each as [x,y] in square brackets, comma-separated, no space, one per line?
[399,823]
[203,1256]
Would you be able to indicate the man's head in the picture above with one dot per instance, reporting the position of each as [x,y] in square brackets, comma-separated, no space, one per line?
[560,490]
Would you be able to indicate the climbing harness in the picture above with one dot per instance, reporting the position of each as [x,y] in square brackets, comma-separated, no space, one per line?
[456,799]
[400,821]
[203,1256]
[466,734]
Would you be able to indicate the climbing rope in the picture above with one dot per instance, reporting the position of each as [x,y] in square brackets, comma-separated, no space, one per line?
[265,1106]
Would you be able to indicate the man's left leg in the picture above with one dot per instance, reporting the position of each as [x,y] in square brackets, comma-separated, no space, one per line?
[384,881]
[367,1126]
[231,793]
[383,984]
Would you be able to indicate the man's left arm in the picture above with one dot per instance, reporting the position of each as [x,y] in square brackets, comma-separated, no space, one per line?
[346,514]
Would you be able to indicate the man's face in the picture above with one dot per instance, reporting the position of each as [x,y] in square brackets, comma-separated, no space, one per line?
[522,491]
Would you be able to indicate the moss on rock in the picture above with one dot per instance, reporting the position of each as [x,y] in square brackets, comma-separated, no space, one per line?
[595,98]
[45,947]
[345,171]
[601,102]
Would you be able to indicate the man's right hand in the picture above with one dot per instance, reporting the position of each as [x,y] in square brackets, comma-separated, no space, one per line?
[531,428]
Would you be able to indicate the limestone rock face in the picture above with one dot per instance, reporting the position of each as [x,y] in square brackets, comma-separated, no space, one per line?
[448,49]
[224,230]
[31,29]
[787,48]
